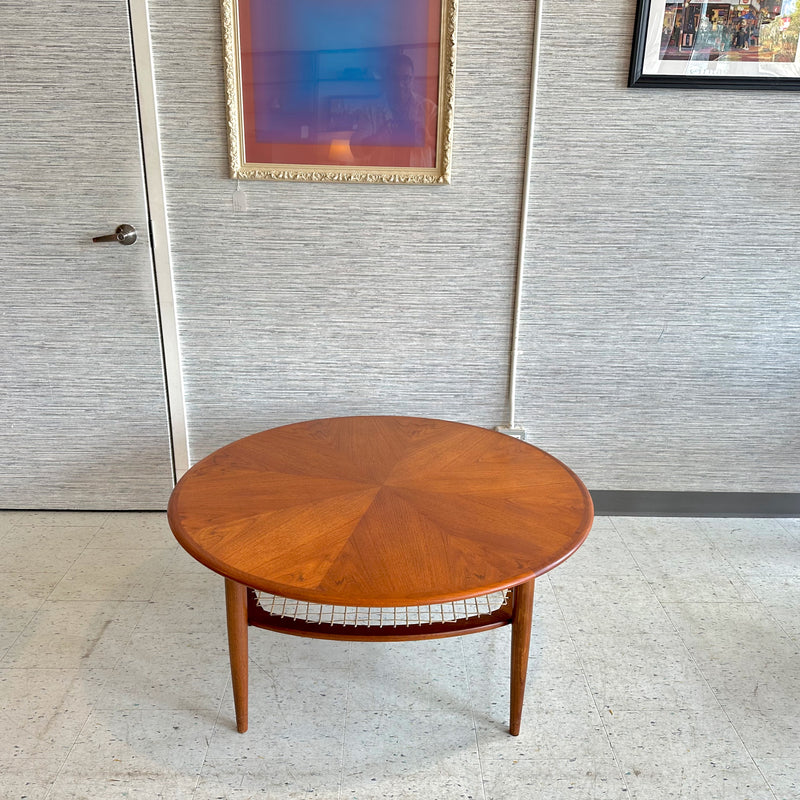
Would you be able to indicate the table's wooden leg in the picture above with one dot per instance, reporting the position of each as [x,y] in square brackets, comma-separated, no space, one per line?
[520,647]
[236,606]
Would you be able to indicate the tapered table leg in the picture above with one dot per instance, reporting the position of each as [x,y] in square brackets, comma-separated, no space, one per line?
[520,647]
[236,606]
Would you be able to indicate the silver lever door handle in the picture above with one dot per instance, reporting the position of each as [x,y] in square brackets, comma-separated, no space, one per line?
[124,234]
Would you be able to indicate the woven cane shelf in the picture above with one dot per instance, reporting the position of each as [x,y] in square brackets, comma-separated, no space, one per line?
[369,623]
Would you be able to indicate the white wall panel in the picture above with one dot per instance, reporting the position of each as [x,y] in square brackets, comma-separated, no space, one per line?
[83,420]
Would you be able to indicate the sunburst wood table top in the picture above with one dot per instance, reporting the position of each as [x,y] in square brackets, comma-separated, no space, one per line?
[380,511]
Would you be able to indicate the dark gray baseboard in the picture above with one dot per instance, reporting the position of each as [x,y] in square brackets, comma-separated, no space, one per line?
[609,503]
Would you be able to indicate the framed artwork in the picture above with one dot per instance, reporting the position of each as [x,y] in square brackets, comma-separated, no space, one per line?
[340,90]
[737,44]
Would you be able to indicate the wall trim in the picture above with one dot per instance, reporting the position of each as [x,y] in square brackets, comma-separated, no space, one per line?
[609,503]
[159,231]
[522,241]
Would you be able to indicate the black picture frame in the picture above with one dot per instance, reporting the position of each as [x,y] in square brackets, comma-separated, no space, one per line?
[703,52]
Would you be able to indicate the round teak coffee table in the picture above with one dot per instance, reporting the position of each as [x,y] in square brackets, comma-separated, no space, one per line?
[379,528]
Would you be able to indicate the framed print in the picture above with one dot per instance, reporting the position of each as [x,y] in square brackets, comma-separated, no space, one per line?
[340,90]
[739,44]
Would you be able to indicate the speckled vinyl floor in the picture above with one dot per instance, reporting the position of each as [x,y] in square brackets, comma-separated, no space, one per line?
[665,663]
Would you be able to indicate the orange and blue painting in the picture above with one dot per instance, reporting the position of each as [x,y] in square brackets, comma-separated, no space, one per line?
[340,82]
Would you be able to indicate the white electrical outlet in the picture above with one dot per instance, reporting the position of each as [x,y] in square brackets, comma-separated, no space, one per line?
[517,433]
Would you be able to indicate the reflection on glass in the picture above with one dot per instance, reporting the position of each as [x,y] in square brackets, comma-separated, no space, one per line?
[341,82]
[740,30]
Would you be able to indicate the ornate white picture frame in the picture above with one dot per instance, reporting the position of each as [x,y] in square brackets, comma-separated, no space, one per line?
[340,90]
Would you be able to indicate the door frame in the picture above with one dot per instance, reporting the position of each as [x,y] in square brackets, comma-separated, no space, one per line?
[155,199]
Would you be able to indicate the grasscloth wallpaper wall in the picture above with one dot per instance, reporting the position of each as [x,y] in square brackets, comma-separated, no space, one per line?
[660,330]
[661,333]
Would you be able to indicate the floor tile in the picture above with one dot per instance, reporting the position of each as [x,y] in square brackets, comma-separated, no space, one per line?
[38,770]
[282,693]
[662,538]
[781,597]
[50,689]
[165,747]
[397,754]
[71,786]
[642,671]
[759,547]
[43,736]
[175,676]
[555,680]
[621,603]
[192,601]
[680,754]
[31,549]
[293,728]
[603,554]
[201,586]
[56,519]
[754,692]
[75,634]
[770,733]
[744,655]
[713,583]
[30,778]
[172,651]
[181,561]
[782,775]
[22,595]
[791,525]
[43,714]
[410,675]
[271,650]
[302,773]
[24,785]
[680,562]
[7,638]
[112,574]
[9,520]
[142,530]
[574,778]
[547,734]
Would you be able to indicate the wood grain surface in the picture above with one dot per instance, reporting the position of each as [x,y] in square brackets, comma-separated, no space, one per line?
[380,511]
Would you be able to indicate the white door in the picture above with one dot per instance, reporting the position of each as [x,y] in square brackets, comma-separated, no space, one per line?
[83,409]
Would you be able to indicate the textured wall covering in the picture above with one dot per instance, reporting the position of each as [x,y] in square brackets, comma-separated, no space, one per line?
[661,330]
[82,405]
[328,299]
